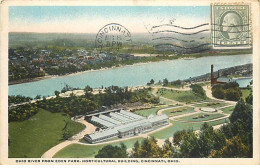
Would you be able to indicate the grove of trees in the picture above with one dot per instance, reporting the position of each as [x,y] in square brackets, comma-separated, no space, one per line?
[228,91]
[110,151]
[198,90]
[18,99]
[22,112]
[78,105]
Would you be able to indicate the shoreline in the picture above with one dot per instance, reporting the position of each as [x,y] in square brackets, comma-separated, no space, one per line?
[29,80]
[80,72]
[104,68]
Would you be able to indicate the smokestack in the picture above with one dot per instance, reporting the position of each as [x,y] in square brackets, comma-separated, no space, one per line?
[212,71]
[212,75]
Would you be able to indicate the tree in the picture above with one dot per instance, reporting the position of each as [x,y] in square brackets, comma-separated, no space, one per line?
[136,151]
[165,82]
[234,148]
[110,151]
[38,97]
[149,148]
[67,134]
[88,89]
[249,98]
[57,93]
[152,81]
[206,140]
[178,137]
[219,139]
[218,92]
[177,82]
[244,113]
[190,146]
[233,94]
[229,91]
[167,149]
[198,90]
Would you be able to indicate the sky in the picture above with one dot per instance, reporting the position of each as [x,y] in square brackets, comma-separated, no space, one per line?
[89,19]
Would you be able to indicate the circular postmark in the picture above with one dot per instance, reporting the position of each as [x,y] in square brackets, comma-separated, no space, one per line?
[112,36]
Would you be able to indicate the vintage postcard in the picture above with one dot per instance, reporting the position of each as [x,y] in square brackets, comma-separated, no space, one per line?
[129,82]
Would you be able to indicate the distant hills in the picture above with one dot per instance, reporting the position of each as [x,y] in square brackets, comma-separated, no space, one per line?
[159,42]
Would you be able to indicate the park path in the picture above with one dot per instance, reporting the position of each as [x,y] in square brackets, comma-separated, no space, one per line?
[209,95]
[185,88]
[215,119]
[74,139]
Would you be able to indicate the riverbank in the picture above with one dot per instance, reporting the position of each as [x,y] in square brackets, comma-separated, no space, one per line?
[127,64]
[30,80]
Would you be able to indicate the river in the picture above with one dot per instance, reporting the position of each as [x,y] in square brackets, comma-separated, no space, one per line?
[131,75]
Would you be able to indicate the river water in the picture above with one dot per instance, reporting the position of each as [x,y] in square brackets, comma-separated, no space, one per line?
[131,75]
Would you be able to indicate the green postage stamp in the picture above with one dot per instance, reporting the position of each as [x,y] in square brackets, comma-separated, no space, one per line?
[230,26]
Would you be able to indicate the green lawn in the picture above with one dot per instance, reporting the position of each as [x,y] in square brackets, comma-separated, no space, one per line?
[245,93]
[174,86]
[217,122]
[178,126]
[33,137]
[212,104]
[164,101]
[148,112]
[178,111]
[228,110]
[204,83]
[89,151]
[181,96]
[201,117]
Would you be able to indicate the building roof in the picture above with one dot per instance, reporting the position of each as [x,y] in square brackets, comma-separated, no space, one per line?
[127,126]
[103,133]
[101,112]
[224,79]
[109,119]
[125,116]
[120,117]
[131,114]
[102,122]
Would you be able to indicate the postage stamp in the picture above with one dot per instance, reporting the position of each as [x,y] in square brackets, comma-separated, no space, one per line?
[230,26]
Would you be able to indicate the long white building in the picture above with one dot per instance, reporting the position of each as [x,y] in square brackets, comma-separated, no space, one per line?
[121,123]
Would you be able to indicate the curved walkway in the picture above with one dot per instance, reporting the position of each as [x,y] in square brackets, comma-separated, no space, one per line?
[185,88]
[209,95]
[215,119]
[74,139]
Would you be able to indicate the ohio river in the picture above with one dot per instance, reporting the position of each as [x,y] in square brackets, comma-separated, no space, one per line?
[131,75]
